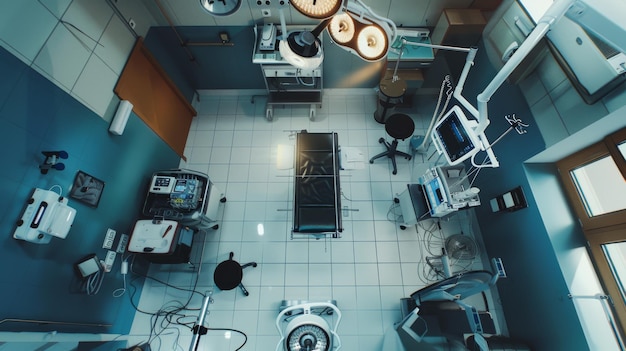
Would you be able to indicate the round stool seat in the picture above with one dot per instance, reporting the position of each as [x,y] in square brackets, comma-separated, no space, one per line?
[399,126]
[228,275]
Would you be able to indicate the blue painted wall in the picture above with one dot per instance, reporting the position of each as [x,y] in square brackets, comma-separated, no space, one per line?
[38,281]
[534,296]
[231,67]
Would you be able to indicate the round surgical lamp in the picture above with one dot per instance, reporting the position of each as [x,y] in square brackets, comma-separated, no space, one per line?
[320,9]
[341,28]
[372,43]
[303,49]
[220,7]
[306,330]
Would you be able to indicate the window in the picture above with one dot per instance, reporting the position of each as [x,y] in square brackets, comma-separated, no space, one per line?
[600,186]
[595,182]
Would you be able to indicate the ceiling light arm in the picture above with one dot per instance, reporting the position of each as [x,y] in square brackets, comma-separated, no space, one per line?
[469,62]
[556,11]
[320,27]
[365,12]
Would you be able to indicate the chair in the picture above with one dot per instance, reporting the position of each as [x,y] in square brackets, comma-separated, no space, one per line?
[398,126]
[228,274]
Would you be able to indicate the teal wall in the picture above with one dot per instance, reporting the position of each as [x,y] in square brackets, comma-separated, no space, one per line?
[534,296]
[38,281]
[231,67]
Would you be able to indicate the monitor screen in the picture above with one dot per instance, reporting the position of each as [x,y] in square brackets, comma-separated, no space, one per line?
[456,138]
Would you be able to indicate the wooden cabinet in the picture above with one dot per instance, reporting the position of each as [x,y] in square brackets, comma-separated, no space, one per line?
[459,27]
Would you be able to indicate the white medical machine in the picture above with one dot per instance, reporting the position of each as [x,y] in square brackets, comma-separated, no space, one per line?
[46,215]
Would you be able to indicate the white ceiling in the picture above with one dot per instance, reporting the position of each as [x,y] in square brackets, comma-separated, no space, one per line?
[406,13]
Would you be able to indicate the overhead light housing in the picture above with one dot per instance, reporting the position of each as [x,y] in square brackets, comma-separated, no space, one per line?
[220,7]
[341,28]
[319,9]
[356,29]
[368,38]
[303,49]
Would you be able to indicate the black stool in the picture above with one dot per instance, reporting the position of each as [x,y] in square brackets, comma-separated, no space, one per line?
[229,273]
[398,126]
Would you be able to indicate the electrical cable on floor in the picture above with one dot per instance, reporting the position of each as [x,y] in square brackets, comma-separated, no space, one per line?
[119,292]
[93,283]
[392,214]
[169,314]
[57,186]
[245,340]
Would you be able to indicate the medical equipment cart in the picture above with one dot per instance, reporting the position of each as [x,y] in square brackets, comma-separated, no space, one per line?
[185,196]
[286,84]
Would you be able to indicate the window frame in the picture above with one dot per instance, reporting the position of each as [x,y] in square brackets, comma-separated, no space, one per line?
[600,229]
[606,147]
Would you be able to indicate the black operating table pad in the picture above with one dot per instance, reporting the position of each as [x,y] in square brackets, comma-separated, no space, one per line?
[317,198]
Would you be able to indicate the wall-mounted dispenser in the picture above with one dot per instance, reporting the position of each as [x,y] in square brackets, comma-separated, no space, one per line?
[118,124]
[46,215]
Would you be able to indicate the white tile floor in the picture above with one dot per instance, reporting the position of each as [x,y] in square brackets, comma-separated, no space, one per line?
[366,271]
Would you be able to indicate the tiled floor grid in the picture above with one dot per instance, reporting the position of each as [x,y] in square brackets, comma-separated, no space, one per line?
[367,271]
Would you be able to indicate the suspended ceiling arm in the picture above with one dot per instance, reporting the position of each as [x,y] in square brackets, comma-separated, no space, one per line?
[555,12]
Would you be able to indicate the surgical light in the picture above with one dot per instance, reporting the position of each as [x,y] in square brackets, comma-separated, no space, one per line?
[372,43]
[341,28]
[220,7]
[360,31]
[306,329]
[319,9]
[303,49]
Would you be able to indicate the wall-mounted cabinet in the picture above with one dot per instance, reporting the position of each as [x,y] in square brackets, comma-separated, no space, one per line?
[506,31]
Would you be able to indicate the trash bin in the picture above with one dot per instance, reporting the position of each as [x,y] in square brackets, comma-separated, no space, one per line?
[390,93]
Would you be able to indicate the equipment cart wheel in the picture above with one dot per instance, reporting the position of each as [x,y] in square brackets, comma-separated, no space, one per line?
[222,200]
[215,227]
[403,227]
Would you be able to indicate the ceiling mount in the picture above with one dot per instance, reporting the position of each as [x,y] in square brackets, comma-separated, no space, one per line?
[220,7]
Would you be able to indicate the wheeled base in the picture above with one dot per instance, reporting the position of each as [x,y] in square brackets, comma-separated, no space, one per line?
[391,152]
[269,112]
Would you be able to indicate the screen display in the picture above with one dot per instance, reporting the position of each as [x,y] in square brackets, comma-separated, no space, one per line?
[181,186]
[454,137]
